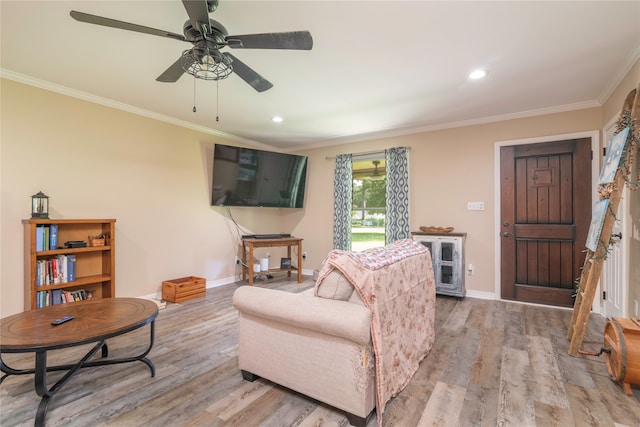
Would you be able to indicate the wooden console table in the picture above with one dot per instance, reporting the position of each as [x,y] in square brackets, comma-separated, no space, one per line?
[250,244]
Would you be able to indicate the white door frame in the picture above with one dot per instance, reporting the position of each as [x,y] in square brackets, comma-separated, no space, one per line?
[621,216]
[595,172]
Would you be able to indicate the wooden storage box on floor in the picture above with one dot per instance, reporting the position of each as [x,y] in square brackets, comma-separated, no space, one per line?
[186,288]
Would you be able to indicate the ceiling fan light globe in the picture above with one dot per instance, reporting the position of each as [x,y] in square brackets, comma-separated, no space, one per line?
[208,61]
[205,64]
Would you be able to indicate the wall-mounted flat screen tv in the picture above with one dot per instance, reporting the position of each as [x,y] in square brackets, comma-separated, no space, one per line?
[248,177]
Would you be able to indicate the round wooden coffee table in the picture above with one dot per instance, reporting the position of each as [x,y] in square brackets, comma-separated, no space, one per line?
[93,321]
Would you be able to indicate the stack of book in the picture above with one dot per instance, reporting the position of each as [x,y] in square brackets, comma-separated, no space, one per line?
[61,296]
[46,237]
[60,269]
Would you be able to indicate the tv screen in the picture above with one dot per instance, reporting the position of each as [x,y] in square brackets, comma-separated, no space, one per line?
[248,177]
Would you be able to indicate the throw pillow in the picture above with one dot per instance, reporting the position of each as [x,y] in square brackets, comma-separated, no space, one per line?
[334,286]
[355,299]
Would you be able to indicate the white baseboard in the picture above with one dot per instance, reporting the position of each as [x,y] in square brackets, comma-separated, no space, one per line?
[157,295]
[221,282]
[481,295]
[232,279]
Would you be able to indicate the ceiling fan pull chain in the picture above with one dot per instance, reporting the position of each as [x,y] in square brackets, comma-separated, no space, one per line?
[217,99]
[194,94]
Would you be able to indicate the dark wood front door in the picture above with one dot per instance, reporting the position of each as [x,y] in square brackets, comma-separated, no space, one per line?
[545,217]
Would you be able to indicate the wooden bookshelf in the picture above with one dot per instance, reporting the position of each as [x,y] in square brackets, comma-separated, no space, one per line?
[94,265]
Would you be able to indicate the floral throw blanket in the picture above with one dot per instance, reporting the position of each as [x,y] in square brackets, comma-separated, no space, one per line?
[396,283]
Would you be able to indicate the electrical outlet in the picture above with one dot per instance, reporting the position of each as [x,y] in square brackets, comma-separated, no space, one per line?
[635,308]
[304,255]
[237,260]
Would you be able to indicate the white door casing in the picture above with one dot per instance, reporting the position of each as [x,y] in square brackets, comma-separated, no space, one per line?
[615,272]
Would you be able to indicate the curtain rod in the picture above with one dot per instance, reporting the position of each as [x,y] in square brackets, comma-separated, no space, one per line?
[366,153]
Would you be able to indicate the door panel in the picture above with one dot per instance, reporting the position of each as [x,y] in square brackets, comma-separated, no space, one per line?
[546,210]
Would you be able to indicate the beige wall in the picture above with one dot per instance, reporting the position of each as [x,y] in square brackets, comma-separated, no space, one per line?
[448,168]
[154,178]
[98,162]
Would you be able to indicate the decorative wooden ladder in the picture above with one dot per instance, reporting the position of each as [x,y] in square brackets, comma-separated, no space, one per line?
[592,269]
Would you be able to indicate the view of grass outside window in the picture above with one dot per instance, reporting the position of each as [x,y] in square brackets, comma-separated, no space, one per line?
[368,214]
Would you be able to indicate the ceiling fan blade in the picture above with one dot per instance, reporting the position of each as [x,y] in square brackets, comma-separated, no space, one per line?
[198,14]
[299,40]
[171,74]
[247,74]
[113,23]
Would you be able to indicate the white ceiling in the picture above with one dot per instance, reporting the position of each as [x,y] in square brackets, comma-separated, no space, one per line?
[377,68]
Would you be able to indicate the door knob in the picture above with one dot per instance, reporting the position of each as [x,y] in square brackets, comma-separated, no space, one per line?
[506,234]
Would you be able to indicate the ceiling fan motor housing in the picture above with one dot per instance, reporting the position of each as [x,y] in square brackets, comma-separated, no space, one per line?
[216,33]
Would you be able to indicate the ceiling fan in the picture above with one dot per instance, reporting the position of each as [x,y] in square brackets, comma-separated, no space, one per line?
[208,36]
[376,173]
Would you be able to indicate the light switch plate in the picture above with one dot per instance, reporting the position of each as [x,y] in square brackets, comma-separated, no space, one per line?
[475,206]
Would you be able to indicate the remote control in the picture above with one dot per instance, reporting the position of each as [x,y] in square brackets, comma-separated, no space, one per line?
[61,320]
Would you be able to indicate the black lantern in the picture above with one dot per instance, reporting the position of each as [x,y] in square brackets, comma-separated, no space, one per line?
[40,206]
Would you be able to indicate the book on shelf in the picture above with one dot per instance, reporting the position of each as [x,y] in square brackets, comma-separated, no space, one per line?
[71,265]
[47,233]
[54,271]
[40,238]
[56,297]
[53,236]
[38,273]
[63,273]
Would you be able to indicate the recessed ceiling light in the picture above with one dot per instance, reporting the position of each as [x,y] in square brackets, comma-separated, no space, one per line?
[276,119]
[477,74]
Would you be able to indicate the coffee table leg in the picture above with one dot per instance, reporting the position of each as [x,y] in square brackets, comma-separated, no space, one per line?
[40,380]
[8,370]
[148,362]
[141,357]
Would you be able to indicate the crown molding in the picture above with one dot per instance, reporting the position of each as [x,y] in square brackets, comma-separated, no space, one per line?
[633,58]
[63,90]
[395,132]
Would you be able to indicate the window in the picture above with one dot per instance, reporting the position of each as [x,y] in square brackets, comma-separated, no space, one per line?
[368,214]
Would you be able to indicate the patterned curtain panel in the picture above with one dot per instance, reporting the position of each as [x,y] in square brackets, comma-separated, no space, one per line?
[342,192]
[397,216]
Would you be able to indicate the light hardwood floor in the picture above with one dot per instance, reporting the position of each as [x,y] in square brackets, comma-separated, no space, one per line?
[493,364]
